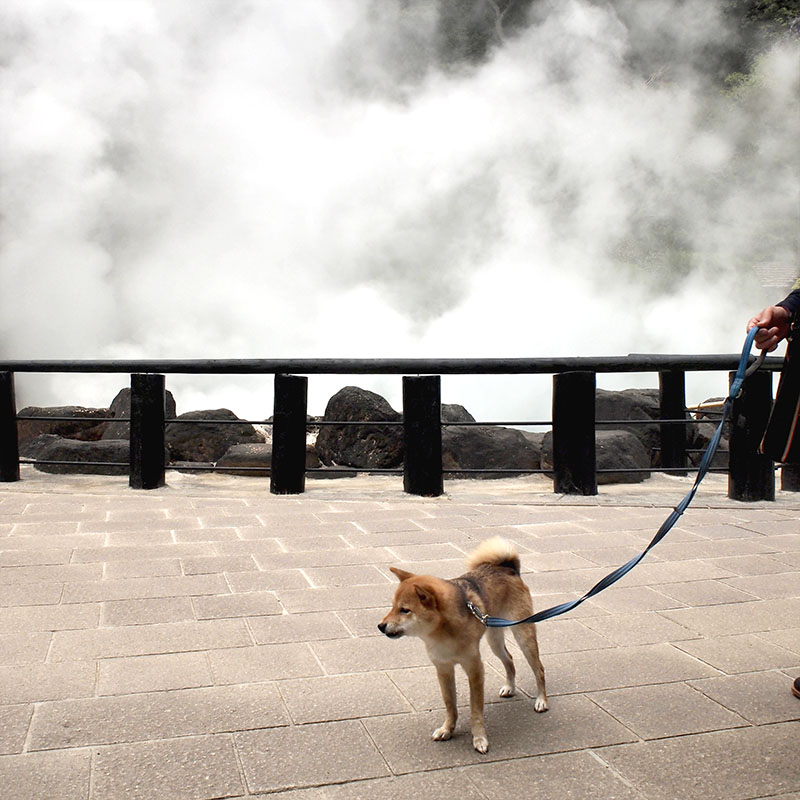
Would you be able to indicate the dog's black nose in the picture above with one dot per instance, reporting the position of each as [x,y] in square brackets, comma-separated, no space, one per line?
[382,627]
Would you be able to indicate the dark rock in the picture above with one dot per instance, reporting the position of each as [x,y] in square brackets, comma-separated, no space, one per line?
[33,448]
[637,404]
[632,404]
[207,441]
[78,453]
[368,447]
[121,407]
[452,412]
[487,447]
[620,450]
[258,457]
[28,429]
[703,434]
[614,449]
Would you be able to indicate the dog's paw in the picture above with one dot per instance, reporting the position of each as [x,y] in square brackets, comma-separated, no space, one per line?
[507,691]
[540,705]
[481,744]
[442,734]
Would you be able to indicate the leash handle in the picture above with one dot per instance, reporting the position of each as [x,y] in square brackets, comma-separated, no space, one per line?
[705,464]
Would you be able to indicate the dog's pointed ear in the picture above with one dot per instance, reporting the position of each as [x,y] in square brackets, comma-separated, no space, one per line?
[401,574]
[426,596]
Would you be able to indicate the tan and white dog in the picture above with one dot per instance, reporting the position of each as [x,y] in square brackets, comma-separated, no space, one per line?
[435,610]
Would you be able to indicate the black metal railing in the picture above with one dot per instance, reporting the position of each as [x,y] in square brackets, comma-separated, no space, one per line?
[574,385]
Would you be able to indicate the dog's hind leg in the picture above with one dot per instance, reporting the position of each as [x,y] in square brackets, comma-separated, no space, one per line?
[447,684]
[525,635]
[497,641]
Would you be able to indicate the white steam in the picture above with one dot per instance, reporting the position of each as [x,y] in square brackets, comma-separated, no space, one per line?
[229,179]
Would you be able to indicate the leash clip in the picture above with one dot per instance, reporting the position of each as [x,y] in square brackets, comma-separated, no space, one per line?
[477,613]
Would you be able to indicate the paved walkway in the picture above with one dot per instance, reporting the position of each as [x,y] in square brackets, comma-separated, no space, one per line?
[209,640]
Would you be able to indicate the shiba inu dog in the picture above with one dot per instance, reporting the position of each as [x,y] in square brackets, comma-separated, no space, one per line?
[436,611]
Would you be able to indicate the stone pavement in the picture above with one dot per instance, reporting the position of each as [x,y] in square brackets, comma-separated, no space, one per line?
[209,640]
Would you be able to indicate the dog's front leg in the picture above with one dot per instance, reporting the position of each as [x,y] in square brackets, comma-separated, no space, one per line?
[474,670]
[447,683]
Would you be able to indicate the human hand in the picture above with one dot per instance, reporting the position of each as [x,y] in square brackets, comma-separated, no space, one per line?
[774,322]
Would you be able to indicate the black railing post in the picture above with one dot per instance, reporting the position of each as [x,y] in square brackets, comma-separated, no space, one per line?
[147,431]
[422,425]
[751,475]
[790,477]
[9,443]
[672,401]
[288,471]
[574,458]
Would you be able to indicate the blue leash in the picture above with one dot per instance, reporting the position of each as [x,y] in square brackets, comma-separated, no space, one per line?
[705,464]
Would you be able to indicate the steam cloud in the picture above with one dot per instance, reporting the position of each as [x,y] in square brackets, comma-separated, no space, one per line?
[331,178]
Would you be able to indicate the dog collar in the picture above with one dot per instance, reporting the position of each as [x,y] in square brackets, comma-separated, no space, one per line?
[477,613]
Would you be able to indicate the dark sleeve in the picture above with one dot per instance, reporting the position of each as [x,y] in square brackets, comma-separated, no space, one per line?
[792,302]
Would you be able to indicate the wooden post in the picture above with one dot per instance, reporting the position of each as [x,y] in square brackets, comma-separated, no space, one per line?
[751,475]
[574,458]
[288,470]
[422,424]
[147,461]
[672,396]
[9,443]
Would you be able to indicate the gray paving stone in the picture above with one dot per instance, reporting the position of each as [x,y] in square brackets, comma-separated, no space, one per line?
[340,656]
[30,558]
[435,784]
[153,673]
[30,594]
[206,565]
[726,620]
[41,682]
[768,587]
[279,759]
[269,662]
[355,575]
[36,776]
[320,656]
[788,638]
[634,599]
[515,730]
[564,635]
[324,558]
[181,769]
[247,604]
[337,598]
[61,573]
[728,765]
[299,627]
[144,568]
[155,715]
[340,697]
[141,552]
[421,688]
[621,666]
[647,627]
[577,776]
[759,697]
[739,653]
[704,593]
[147,611]
[136,640]
[138,588]
[667,709]
[14,723]
[267,580]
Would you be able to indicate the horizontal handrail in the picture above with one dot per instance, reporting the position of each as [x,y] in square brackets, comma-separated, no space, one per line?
[395,366]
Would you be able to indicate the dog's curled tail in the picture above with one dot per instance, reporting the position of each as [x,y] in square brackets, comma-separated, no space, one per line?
[496,551]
